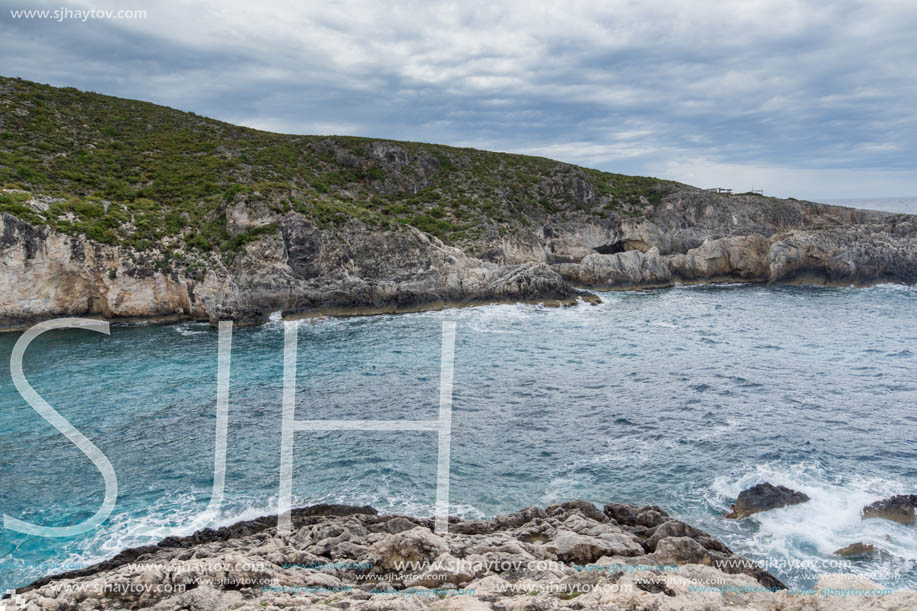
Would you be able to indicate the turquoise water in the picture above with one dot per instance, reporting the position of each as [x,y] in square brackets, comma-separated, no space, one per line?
[677,397]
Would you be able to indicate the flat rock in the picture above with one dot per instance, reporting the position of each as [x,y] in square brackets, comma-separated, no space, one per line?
[583,549]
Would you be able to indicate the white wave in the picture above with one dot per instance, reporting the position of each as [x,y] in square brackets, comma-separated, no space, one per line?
[830,520]
[190,329]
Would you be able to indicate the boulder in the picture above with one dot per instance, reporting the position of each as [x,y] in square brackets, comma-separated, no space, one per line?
[856,549]
[676,528]
[681,550]
[397,525]
[651,516]
[628,515]
[445,569]
[585,508]
[764,497]
[726,259]
[415,545]
[624,514]
[898,508]
[621,270]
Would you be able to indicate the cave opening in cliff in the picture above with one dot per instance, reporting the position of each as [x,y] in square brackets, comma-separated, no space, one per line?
[611,249]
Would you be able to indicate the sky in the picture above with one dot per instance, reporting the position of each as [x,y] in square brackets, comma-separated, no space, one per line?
[815,100]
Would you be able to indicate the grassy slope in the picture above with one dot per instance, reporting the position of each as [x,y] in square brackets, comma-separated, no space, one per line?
[147,176]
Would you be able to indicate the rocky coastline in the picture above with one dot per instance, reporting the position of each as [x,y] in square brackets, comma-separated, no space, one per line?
[692,236]
[125,210]
[569,555]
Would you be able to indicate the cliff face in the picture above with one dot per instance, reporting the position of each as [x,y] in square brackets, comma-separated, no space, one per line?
[730,239]
[354,268]
[300,269]
[124,209]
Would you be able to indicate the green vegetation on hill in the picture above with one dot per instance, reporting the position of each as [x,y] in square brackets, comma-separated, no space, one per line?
[134,173]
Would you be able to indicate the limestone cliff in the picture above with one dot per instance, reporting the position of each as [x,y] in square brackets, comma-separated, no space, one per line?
[354,268]
[300,269]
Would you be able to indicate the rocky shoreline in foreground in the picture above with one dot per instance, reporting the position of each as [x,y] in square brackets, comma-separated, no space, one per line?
[569,555]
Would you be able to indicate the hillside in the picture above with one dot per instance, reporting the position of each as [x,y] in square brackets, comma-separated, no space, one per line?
[125,209]
[141,174]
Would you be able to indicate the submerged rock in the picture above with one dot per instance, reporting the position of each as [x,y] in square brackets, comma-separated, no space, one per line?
[764,497]
[898,508]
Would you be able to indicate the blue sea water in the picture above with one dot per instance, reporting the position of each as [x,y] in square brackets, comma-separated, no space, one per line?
[907,205]
[678,397]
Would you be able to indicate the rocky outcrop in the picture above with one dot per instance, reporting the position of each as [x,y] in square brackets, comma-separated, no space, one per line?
[899,508]
[631,269]
[567,556]
[861,255]
[881,250]
[45,274]
[743,258]
[764,497]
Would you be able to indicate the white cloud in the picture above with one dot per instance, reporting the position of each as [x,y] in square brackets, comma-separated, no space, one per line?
[813,184]
[804,84]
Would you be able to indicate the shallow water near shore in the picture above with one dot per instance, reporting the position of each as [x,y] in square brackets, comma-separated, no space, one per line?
[678,397]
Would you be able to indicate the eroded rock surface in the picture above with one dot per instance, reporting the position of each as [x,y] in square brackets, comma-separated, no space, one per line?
[567,556]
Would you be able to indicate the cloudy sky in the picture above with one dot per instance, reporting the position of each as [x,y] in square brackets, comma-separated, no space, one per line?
[810,99]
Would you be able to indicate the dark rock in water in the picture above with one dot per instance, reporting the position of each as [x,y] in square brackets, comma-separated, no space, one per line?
[856,549]
[763,497]
[899,508]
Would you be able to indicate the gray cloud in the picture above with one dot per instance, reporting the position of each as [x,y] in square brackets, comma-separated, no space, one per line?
[794,97]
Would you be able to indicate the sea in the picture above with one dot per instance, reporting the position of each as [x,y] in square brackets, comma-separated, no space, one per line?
[678,397]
